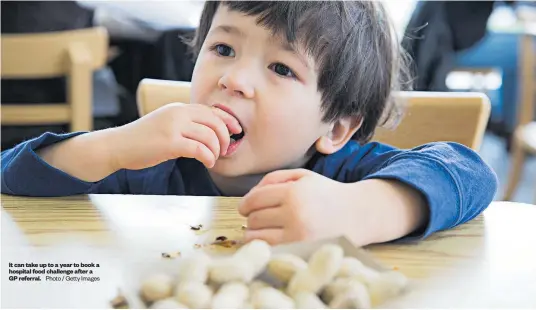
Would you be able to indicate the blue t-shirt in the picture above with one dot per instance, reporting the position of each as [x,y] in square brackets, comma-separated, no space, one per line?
[454,180]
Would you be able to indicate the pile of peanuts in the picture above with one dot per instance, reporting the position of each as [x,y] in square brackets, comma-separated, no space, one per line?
[327,280]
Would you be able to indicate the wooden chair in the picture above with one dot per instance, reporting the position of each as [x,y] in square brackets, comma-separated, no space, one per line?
[524,142]
[439,116]
[429,116]
[74,54]
[152,94]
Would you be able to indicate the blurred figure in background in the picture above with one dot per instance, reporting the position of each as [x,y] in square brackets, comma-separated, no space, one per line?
[438,30]
[445,35]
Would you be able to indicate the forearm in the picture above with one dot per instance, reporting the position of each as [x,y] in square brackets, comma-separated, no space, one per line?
[88,157]
[393,208]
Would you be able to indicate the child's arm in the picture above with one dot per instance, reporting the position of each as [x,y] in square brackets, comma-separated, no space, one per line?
[88,157]
[398,209]
[24,173]
[79,163]
[383,194]
[454,181]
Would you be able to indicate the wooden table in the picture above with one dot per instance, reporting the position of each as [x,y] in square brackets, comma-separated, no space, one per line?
[488,262]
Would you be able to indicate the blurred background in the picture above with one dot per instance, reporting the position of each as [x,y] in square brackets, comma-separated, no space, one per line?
[455,45]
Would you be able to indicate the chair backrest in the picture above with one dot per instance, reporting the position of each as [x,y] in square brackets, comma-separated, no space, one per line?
[44,55]
[152,94]
[439,116]
[429,116]
[527,78]
[74,54]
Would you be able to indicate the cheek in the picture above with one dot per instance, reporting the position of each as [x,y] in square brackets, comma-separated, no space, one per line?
[291,121]
[202,79]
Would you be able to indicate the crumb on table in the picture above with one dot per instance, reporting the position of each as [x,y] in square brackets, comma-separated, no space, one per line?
[166,255]
[119,302]
[171,255]
[227,243]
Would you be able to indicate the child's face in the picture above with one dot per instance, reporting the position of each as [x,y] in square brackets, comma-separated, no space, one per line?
[270,89]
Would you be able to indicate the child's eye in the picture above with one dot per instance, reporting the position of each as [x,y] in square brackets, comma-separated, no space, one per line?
[283,70]
[223,50]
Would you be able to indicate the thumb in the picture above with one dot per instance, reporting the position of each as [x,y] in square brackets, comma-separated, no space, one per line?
[283,176]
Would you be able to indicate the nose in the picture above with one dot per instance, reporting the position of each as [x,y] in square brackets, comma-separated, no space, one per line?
[237,82]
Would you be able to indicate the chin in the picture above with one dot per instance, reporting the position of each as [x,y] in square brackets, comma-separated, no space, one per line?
[229,168]
[232,167]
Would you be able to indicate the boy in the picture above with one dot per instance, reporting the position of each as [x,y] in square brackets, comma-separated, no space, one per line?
[300,86]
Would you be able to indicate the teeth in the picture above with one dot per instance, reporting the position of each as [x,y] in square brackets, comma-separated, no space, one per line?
[233,140]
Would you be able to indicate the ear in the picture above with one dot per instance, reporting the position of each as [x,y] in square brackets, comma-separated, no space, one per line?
[341,131]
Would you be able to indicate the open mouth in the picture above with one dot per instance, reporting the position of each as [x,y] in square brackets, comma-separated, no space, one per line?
[236,140]
[237,137]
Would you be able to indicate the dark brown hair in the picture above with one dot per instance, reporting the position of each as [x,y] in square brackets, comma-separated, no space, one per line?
[359,60]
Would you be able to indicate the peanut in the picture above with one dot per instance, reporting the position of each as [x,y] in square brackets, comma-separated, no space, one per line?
[323,265]
[256,253]
[231,269]
[284,266]
[231,295]
[353,268]
[326,262]
[194,294]
[168,303]
[271,298]
[195,268]
[333,288]
[155,287]
[308,300]
[304,281]
[388,285]
[257,285]
[354,296]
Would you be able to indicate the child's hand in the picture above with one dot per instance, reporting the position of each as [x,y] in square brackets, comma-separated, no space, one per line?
[294,205]
[173,131]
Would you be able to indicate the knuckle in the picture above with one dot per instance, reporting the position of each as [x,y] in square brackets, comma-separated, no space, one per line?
[199,151]
[215,145]
[254,220]
[272,176]
[294,195]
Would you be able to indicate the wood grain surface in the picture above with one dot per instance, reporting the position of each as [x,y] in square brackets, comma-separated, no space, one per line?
[488,262]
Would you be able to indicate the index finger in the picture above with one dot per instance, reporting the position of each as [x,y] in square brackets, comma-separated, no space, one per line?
[230,121]
[282,176]
[206,116]
[261,198]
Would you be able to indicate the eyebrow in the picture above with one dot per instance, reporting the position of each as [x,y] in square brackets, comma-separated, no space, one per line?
[228,29]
